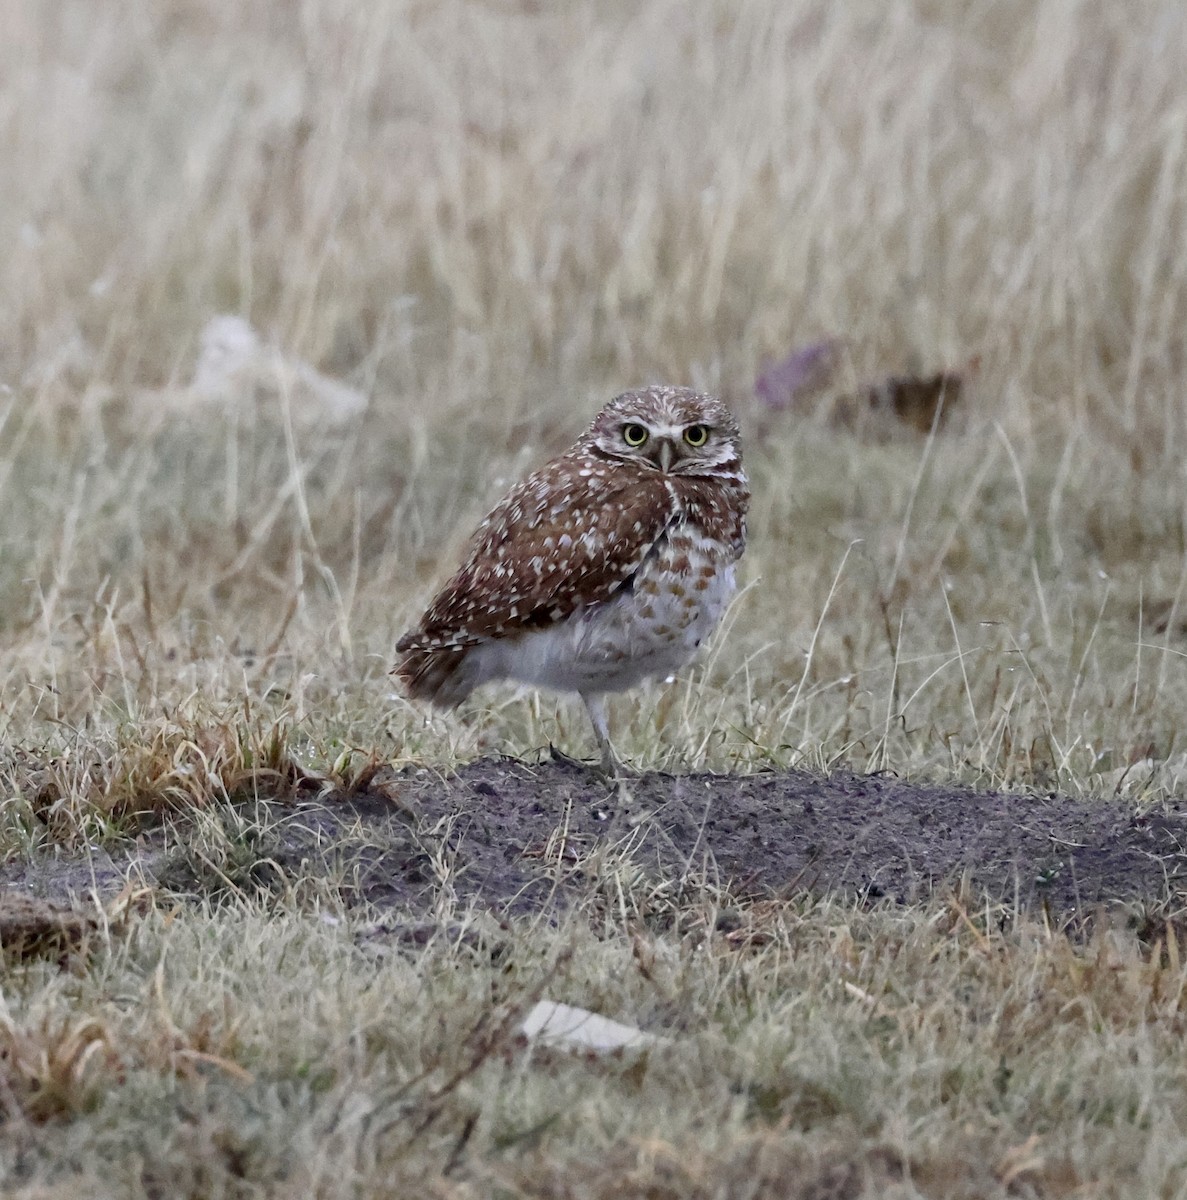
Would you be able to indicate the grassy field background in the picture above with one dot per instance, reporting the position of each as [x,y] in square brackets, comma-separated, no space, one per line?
[488,219]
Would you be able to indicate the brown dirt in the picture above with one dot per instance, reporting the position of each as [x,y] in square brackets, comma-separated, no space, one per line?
[35,928]
[516,838]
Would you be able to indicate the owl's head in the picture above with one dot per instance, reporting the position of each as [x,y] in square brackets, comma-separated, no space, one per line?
[673,430]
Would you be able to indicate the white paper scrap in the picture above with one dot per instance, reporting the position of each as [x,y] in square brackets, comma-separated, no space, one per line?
[579,1029]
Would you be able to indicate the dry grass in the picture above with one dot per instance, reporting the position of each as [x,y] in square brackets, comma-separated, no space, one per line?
[489,218]
[812,1051]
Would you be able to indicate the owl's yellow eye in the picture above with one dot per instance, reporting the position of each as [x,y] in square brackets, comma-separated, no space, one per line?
[634,435]
[696,435]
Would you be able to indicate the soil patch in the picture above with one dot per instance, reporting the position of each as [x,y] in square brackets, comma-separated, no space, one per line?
[516,838]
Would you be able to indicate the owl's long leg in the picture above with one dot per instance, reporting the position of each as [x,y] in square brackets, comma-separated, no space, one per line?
[612,767]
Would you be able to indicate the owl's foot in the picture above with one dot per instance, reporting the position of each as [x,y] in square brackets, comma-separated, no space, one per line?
[612,769]
[567,760]
[609,769]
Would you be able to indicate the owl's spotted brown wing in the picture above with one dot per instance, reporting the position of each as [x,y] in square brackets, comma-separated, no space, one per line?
[568,536]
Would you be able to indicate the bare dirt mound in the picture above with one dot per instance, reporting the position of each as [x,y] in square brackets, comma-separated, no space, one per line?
[517,837]
[863,836]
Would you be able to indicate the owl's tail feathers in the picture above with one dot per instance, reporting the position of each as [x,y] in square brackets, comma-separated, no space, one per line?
[433,673]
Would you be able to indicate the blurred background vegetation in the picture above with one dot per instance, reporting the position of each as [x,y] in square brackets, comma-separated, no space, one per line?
[473,223]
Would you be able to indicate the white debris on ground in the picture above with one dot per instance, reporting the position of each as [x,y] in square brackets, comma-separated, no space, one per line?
[572,1028]
[236,372]
[234,365]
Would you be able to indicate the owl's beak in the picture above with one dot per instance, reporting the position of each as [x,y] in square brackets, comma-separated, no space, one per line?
[665,455]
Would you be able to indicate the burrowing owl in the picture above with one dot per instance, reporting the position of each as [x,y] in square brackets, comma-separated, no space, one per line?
[610,564]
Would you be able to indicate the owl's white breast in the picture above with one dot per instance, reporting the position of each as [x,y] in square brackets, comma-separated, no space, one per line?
[652,630]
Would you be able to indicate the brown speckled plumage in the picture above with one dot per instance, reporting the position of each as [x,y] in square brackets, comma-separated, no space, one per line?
[623,545]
